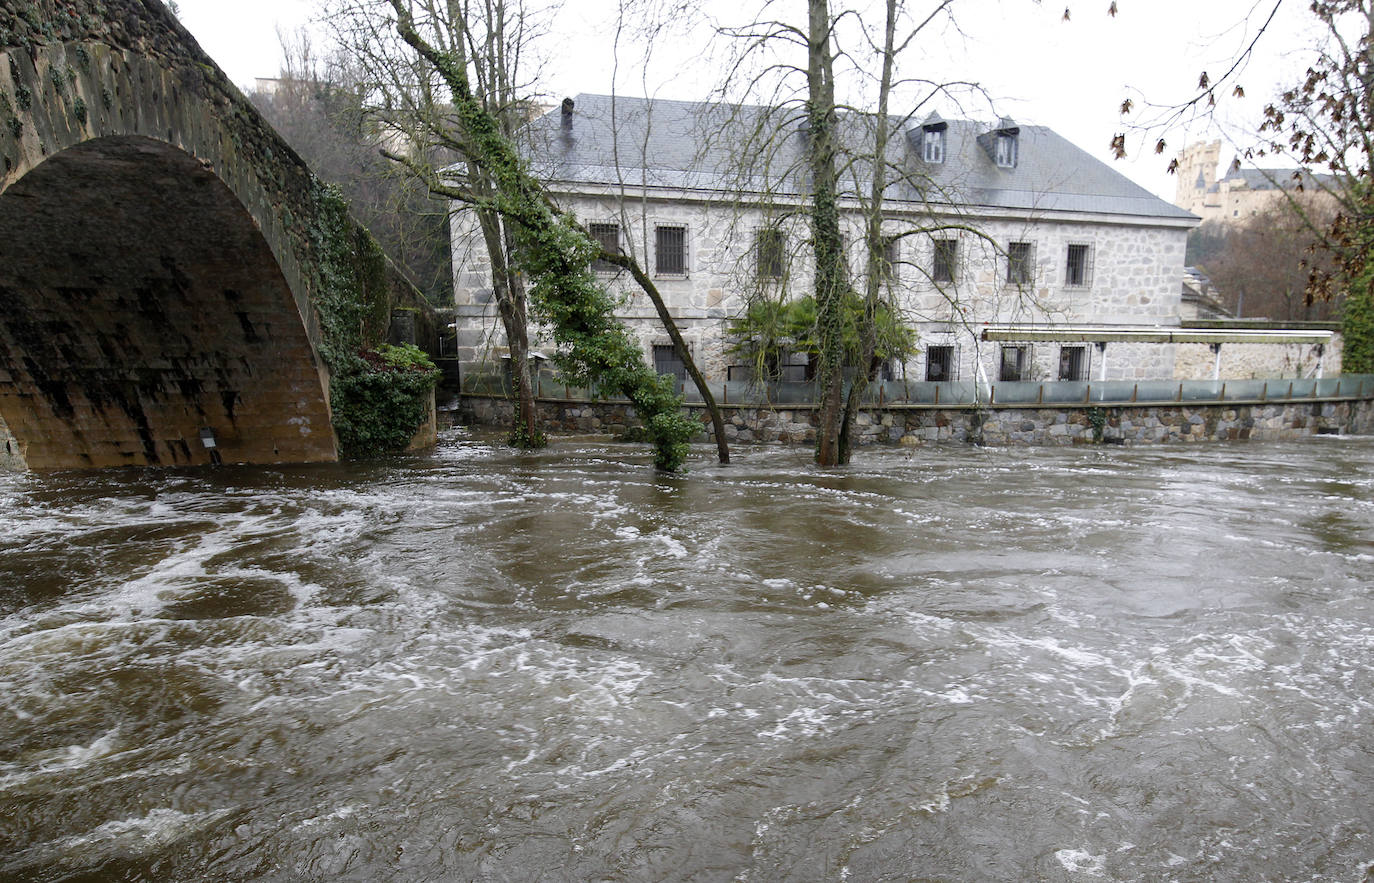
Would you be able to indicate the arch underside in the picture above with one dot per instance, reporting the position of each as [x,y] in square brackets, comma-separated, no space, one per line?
[139,306]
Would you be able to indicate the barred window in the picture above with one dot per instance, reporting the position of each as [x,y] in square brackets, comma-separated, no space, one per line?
[1078,272]
[607,234]
[1073,363]
[1020,263]
[666,361]
[946,256]
[670,250]
[1015,363]
[940,362]
[769,250]
[892,254]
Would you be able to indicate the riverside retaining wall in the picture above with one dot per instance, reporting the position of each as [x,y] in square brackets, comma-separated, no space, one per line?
[1132,424]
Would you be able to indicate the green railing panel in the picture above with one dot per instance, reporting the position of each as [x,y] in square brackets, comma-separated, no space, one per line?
[1052,393]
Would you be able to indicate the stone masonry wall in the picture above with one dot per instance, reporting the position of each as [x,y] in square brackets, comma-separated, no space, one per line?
[917,426]
[1242,361]
[10,457]
[1133,280]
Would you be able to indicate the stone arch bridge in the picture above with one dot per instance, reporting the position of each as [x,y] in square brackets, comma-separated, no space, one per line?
[163,253]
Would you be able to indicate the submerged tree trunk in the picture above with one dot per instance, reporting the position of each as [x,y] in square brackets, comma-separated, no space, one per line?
[508,290]
[679,346]
[827,244]
[877,272]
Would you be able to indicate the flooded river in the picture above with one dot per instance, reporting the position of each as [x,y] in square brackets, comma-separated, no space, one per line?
[952,664]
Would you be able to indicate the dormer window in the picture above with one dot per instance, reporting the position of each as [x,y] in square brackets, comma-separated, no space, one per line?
[1000,143]
[1006,150]
[933,145]
[932,138]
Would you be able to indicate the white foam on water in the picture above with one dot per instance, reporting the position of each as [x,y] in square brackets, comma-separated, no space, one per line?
[955,696]
[675,548]
[1081,861]
[56,761]
[133,836]
[799,723]
[343,812]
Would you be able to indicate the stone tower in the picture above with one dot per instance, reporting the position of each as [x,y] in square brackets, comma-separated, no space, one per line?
[1197,173]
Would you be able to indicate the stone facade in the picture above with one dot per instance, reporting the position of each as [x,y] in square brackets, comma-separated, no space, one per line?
[1239,361]
[1092,248]
[1133,280]
[1032,426]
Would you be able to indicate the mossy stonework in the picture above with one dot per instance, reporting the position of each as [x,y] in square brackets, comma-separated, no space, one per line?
[169,268]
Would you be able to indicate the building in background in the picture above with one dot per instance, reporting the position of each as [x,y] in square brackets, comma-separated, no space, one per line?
[1012,253]
[1238,195]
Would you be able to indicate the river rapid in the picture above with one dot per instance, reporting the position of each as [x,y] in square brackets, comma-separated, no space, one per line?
[948,664]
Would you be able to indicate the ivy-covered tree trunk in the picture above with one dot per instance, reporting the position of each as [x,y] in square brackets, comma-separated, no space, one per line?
[830,283]
[876,271]
[1357,319]
[593,346]
[508,291]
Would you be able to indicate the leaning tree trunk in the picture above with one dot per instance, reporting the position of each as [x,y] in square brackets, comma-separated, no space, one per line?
[679,346]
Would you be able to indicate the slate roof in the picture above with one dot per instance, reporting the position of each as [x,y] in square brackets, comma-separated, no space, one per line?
[721,148]
[1272,179]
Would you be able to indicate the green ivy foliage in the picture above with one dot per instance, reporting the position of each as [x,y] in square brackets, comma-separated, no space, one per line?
[1355,238]
[1357,325]
[593,348]
[380,403]
[379,395]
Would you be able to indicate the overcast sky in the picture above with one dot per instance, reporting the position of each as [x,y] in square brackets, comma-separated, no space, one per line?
[1071,76]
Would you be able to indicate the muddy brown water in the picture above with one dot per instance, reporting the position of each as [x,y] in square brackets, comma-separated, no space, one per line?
[947,664]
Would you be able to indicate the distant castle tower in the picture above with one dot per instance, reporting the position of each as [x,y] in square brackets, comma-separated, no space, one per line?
[1197,174]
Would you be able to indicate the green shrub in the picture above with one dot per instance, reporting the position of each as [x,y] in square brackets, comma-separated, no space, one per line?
[381,398]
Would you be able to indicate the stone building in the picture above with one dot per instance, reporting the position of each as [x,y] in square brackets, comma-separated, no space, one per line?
[1000,235]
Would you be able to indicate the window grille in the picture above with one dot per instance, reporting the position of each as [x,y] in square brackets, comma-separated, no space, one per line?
[946,256]
[769,250]
[608,236]
[667,361]
[1015,363]
[1073,363]
[892,255]
[1078,271]
[670,251]
[1020,263]
[940,364]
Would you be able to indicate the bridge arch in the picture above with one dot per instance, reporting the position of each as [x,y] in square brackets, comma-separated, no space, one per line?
[139,305]
[161,254]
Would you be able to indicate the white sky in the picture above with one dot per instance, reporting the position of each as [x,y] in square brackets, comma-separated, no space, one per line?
[1071,76]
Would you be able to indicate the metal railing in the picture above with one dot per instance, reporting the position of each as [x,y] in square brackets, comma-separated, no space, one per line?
[968,393]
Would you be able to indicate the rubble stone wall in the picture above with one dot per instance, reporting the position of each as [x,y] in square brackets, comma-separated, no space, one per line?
[1030,426]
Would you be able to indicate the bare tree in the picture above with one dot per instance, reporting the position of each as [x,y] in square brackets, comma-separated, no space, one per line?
[316,104]
[415,65]
[409,107]
[849,170]
[1263,265]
